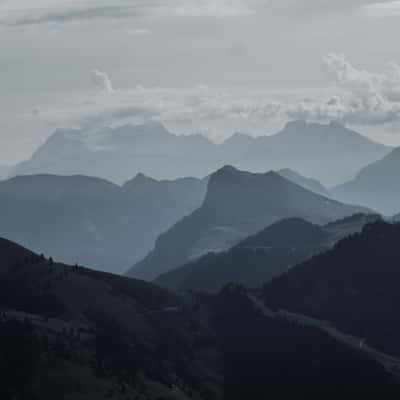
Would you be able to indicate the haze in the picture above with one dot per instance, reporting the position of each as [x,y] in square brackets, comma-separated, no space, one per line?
[214,67]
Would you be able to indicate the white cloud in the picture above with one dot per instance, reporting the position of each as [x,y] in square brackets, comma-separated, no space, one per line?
[360,97]
[372,89]
[102,81]
[366,98]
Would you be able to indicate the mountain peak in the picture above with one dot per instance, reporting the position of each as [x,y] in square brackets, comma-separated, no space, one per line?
[139,180]
[300,125]
[238,138]
[230,174]
[336,124]
[227,169]
[294,124]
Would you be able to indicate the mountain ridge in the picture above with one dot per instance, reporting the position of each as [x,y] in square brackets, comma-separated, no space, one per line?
[353,286]
[100,220]
[263,256]
[118,153]
[375,186]
[237,204]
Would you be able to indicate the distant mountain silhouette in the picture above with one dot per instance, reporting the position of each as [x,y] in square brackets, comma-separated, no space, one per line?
[308,183]
[330,153]
[120,153]
[263,256]
[376,186]
[354,286]
[91,221]
[4,171]
[237,205]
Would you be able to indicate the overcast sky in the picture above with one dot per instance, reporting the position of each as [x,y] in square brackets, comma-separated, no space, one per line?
[197,65]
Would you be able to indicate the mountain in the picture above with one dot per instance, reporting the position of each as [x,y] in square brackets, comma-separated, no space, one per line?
[12,254]
[4,171]
[353,287]
[90,221]
[271,357]
[331,153]
[70,332]
[117,154]
[376,185]
[237,204]
[261,257]
[308,183]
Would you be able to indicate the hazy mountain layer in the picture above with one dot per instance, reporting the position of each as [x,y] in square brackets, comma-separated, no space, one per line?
[263,256]
[237,204]
[330,153]
[308,183]
[93,222]
[376,186]
[4,171]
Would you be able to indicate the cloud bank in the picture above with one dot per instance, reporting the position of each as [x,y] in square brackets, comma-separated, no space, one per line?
[358,97]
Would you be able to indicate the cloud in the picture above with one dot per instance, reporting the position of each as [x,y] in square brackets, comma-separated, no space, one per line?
[138,32]
[320,8]
[21,12]
[101,81]
[369,87]
[367,98]
[359,97]
[383,9]
[36,111]
[215,8]
[27,12]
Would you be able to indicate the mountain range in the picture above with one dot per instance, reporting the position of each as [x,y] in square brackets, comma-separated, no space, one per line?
[237,204]
[70,331]
[117,154]
[90,221]
[353,286]
[261,257]
[376,186]
[331,153]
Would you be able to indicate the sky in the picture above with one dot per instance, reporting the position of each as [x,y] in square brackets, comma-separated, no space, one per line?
[214,67]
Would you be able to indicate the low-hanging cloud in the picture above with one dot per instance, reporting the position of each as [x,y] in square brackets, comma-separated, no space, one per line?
[365,85]
[102,81]
[359,97]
